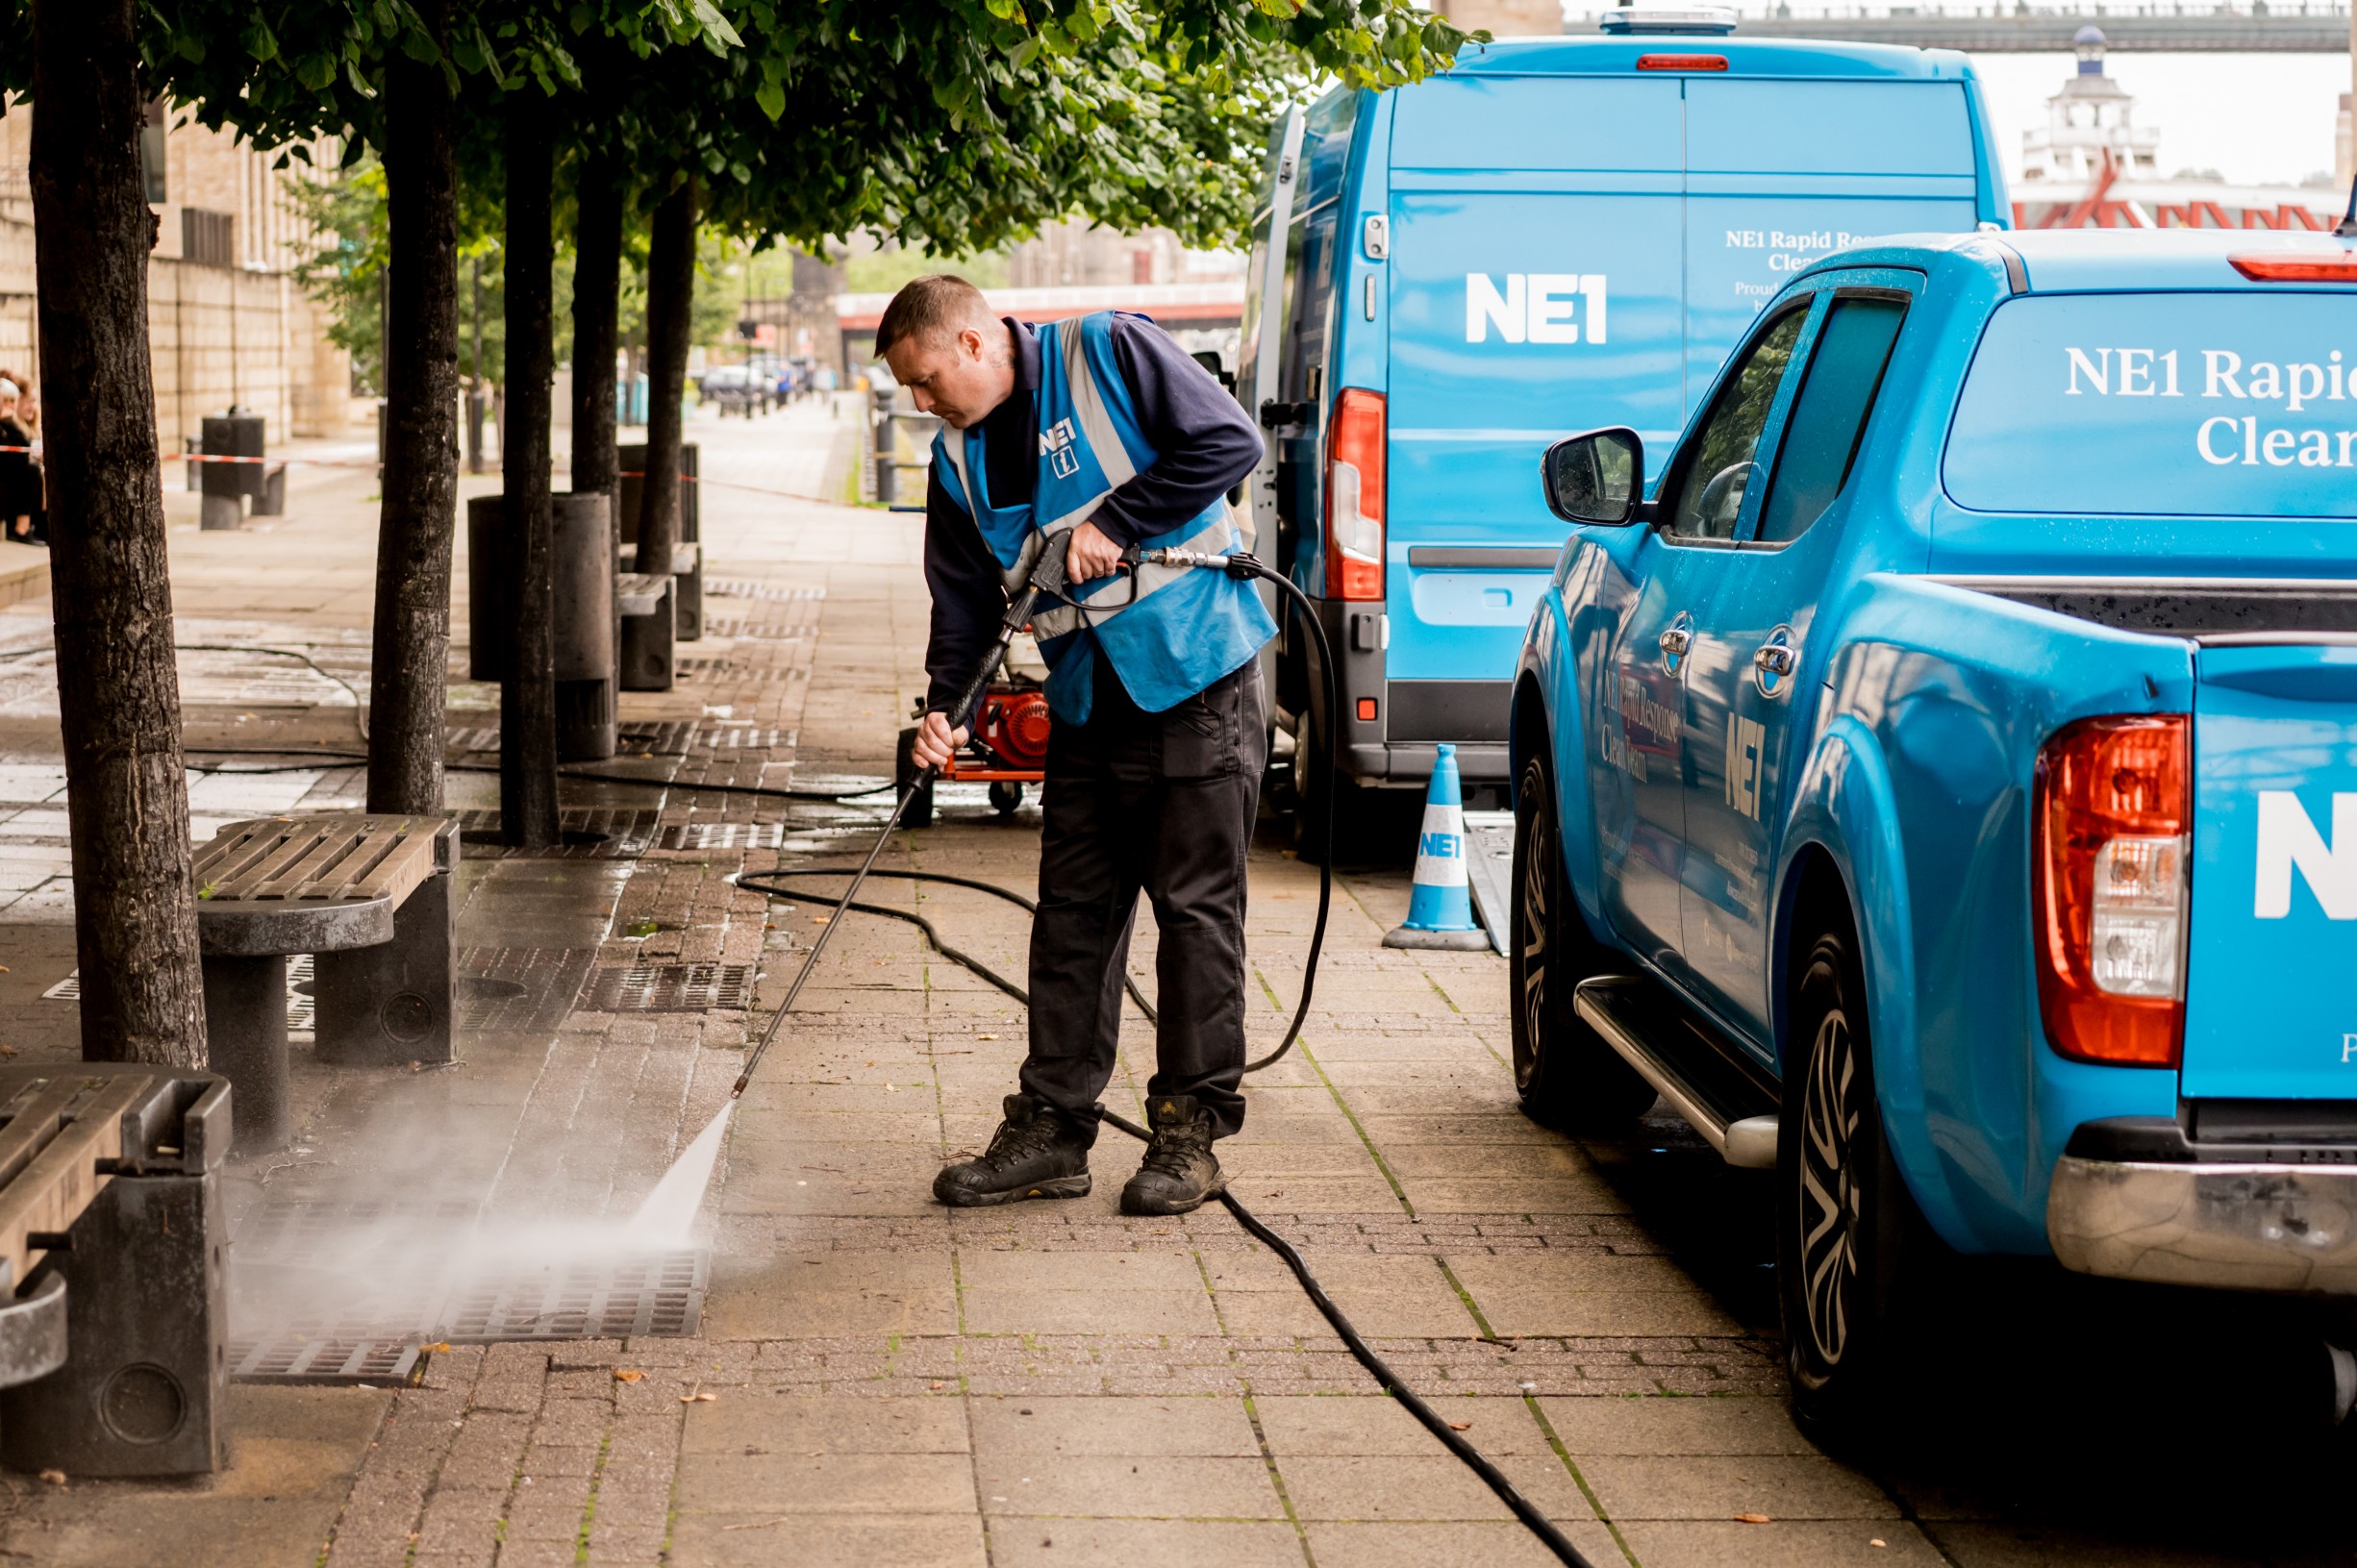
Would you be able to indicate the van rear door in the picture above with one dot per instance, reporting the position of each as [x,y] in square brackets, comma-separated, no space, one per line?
[1781,172]
[2270,1008]
[1535,291]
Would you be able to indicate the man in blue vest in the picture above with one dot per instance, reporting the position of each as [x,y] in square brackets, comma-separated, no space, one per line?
[1103,434]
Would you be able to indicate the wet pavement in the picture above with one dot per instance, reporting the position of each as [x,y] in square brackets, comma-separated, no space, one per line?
[872,1379]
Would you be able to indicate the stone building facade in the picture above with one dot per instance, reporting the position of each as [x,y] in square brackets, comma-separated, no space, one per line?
[227,322]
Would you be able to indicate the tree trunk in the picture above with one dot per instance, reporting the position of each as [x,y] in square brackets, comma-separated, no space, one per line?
[670,293]
[118,689]
[528,696]
[419,518]
[597,292]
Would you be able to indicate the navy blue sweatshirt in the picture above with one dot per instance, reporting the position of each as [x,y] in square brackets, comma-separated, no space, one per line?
[1206,443]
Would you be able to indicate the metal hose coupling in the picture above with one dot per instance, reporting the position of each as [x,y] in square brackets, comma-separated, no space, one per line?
[1236,564]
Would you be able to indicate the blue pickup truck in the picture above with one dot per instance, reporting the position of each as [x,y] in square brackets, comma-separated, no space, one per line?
[1556,234]
[1939,785]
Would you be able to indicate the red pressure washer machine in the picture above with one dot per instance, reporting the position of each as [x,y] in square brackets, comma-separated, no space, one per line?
[1008,749]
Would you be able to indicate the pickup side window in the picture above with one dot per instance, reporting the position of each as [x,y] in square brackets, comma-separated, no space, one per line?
[1820,440]
[1707,492]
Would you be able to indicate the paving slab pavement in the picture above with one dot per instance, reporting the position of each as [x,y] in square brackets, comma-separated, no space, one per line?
[877,1380]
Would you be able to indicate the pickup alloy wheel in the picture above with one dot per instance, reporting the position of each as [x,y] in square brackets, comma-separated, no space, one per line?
[1851,1247]
[1564,1073]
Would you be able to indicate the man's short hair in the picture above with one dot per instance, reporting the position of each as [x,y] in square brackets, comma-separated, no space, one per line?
[933,306]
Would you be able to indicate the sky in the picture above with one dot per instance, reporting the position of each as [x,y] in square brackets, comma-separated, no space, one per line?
[2260,119]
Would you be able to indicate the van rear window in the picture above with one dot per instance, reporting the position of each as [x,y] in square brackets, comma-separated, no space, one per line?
[2239,405]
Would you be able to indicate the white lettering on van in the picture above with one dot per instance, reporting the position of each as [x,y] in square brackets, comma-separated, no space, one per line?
[2289,840]
[1536,308]
[2201,438]
[1485,307]
[2098,371]
[2216,375]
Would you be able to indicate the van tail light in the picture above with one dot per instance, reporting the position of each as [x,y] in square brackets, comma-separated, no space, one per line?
[1681,62]
[2113,830]
[1354,496]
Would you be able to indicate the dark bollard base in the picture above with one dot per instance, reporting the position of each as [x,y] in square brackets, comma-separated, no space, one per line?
[392,1005]
[587,729]
[647,646]
[216,512]
[144,1388]
[245,1022]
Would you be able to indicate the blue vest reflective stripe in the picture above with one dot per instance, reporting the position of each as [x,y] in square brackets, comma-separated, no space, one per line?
[1185,628]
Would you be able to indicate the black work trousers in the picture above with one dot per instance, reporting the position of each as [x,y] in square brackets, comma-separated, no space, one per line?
[1163,804]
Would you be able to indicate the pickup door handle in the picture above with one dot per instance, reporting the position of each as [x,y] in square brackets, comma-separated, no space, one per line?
[1774,659]
[1676,641]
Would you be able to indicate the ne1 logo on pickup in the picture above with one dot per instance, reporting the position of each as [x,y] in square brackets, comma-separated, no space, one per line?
[2289,840]
[1535,307]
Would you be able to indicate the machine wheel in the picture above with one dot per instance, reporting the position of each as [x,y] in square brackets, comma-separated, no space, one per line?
[1006,795]
[1567,1076]
[1852,1249]
[919,811]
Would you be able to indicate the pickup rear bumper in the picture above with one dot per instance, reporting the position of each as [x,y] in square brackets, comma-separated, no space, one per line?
[2133,1199]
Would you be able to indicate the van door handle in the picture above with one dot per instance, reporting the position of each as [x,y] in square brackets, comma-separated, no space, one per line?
[1676,641]
[1775,658]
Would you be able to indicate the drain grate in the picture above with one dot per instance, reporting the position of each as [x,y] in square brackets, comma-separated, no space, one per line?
[744,739]
[752,626]
[660,1294]
[291,1231]
[745,587]
[302,1012]
[671,738]
[669,987]
[291,1356]
[591,832]
[723,836]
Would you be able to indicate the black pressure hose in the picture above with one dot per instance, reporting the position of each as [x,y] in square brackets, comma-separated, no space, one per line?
[1239,565]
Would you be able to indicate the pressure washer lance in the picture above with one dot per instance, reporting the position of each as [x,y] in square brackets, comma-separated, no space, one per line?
[1038,571]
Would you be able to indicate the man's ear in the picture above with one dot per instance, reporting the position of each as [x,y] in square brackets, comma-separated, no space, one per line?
[971,339]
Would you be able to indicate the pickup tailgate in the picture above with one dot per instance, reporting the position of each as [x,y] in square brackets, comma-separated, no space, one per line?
[2272,974]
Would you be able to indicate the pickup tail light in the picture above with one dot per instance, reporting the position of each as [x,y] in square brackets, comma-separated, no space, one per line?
[2113,830]
[1354,496]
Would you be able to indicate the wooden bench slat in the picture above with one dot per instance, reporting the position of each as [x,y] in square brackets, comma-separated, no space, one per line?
[32,1126]
[235,851]
[58,1184]
[408,862]
[295,841]
[334,844]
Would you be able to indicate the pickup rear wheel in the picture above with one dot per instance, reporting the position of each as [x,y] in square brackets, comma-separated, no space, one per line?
[1851,1243]
[1567,1076]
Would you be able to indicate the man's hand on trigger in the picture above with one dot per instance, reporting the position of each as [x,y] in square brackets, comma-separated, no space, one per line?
[936,741]
[1091,555]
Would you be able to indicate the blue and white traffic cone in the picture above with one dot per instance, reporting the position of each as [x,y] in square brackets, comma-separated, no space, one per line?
[1440,907]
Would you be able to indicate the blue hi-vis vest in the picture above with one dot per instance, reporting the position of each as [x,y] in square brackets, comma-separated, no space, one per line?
[1185,627]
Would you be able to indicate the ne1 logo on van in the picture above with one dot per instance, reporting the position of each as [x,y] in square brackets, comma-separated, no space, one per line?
[1535,307]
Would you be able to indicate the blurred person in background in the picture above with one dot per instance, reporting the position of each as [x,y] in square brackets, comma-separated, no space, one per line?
[20,486]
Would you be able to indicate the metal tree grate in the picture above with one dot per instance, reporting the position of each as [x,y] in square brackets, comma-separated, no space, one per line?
[669,987]
[302,1008]
[657,1293]
[288,1355]
[744,739]
[591,832]
[744,588]
[737,669]
[285,1248]
[723,836]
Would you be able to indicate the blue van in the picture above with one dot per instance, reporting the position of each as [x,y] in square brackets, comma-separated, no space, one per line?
[1558,233]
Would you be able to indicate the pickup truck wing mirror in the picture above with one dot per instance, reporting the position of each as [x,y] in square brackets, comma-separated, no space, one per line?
[1597,477]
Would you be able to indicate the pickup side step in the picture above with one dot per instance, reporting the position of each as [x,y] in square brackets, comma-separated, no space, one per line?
[1724,1094]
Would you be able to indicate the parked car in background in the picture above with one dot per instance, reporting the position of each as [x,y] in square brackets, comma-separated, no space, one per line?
[1943,789]
[1556,234]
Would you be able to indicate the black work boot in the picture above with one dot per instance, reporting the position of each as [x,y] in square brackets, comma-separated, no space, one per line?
[1036,1153]
[1178,1172]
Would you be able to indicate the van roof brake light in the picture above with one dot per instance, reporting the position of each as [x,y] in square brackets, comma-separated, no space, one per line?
[2297,267]
[1681,62]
